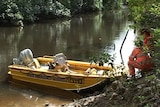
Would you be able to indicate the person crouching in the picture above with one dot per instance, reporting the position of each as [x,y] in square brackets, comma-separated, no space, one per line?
[139,59]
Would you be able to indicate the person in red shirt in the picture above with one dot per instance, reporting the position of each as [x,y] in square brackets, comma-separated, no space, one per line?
[139,59]
[147,37]
[148,42]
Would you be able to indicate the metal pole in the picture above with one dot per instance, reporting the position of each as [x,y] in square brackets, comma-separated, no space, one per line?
[122,46]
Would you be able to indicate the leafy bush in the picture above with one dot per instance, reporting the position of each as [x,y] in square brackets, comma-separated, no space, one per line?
[34,10]
[102,58]
[9,11]
[83,6]
[15,11]
[112,4]
[156,51]
[151,18]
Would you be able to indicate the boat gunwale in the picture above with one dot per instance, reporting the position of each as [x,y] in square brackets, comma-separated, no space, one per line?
[21,67]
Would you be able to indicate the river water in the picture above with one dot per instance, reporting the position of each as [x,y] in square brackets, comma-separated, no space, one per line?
[78,38]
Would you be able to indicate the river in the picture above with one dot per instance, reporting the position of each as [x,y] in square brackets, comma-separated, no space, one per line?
[78,38]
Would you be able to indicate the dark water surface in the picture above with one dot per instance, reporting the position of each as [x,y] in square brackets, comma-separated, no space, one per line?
[78,38]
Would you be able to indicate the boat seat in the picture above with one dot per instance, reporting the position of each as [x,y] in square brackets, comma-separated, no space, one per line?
[38,66]
[36,63]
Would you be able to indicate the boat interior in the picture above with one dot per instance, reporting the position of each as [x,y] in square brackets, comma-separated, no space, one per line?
[59,63]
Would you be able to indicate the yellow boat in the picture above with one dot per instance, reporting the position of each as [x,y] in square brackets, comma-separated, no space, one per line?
[77,76]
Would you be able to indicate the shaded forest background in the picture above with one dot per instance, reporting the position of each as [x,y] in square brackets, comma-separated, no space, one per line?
[18,12]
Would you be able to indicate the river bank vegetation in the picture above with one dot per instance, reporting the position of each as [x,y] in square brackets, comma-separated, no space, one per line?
[18,12]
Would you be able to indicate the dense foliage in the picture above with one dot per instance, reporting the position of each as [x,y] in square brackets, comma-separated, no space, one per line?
[156,50]
[14,11]
[112,4]
[146,14]
[10,12]
[17,12]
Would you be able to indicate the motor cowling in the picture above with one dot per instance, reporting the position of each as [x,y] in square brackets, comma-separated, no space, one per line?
[25,58]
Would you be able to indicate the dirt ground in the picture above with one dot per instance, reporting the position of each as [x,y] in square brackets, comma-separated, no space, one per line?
[141,92]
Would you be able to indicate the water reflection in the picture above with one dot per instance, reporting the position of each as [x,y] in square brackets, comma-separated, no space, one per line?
[78,38]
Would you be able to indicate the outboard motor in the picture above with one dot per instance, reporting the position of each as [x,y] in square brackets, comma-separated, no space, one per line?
[60,59]
[25,58]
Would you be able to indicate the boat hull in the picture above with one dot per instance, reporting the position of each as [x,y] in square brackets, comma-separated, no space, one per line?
[60,80]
